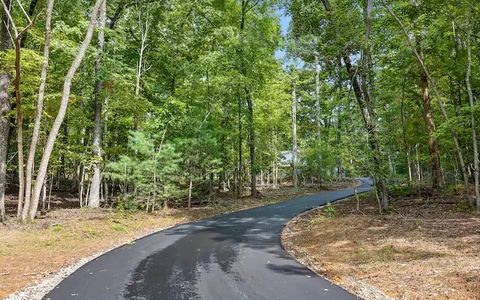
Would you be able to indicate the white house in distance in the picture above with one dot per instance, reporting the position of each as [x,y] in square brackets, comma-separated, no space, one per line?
[286,158]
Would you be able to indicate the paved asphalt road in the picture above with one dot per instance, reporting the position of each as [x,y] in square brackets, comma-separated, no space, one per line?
[228,257]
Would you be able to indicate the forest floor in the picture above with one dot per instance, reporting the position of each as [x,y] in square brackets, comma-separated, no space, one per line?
[428,247]
[31,253]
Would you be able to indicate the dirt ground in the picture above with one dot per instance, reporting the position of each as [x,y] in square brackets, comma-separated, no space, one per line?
[428,247]
[29,253]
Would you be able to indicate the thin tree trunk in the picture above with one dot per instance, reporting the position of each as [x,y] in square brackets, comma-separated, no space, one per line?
[240,154]
[211,186]
[404,135]
[294,137]
[419,171]
[409,166]
[20,156]
[318,114]
[94,196]
[42,171]
[81,183]
[50,192]
[38,111]
[17,42]
[251,144]
[44,195]
[190,194]
[363,98]
[4,129]
[4,110]
[144,30]
[337,142]
[476,167]
[250,114]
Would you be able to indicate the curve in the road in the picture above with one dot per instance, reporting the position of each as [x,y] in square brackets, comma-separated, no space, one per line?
[232,256]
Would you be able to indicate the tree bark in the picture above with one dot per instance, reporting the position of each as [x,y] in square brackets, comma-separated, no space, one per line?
[4,111]
[190,185]
[42,171]
[94,195]
[240,154]
[476,167]
[248,96]
[17,42]
[373,140]
[429,119]
[144,30]
[431,129]
[251,144]
[20,156]
[294,137]
[38,112]
[317,96]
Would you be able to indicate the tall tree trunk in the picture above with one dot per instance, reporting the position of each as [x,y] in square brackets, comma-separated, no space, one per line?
[18,98]
[429,119]
[294,137]
[42,171]
[144,30]
[94,196]
[251,144]
[406,146]
[224,155]
[38,112]
[373,140]
[4,111]
[476,167]
[431,129]
[190,185]
[363,98]
[240,154]
[4,129]
[248,96]
[338,138]
[17,37]
[318,114]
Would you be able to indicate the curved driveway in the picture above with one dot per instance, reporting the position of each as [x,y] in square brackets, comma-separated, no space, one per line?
[228,257]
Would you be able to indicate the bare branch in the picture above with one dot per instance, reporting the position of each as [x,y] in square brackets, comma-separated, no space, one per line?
[7,12]
[24,12]
[9,33]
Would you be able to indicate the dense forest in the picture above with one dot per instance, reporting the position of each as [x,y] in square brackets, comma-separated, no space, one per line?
[153,103]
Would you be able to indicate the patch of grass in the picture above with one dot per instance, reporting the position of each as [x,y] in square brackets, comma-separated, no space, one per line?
[90,233]
[400,190]
[463,207]
[57,227]
[330,211]
[50,242]
[391,253]
[118,227]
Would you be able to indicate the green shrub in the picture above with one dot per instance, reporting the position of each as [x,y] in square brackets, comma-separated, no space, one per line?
[330,211]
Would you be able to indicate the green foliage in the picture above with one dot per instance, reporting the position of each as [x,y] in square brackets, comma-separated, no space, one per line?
[149,171]
[330,211]
[175,117]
